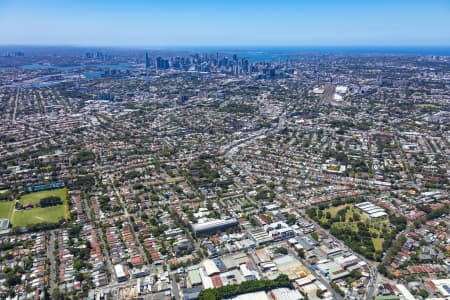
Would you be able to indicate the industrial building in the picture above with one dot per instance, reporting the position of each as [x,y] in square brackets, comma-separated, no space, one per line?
[286,294]
[210,267]
[194,277]
[279,231]
[291,266]
[259,236]
[251,296]
[371,210]
[120,273]
[332,270]
[213,226]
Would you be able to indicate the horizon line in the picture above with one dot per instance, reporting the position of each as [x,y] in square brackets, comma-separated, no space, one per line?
[232,46]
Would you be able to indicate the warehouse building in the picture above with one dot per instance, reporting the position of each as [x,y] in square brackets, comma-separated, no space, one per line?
[286,294]
[120,273]
[371,210]
[259,236]
[210,267]
[213,226]
[194,277]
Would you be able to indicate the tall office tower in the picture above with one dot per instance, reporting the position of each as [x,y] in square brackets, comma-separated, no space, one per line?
[147,61]
[162,64]
[225,62]
[158,63]
[245,66]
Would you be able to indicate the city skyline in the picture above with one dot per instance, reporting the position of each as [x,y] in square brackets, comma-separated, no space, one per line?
[230,23]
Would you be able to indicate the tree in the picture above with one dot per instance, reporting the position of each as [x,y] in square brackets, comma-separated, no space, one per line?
[79,277]
[12,279]
[50,201]
[281,250]
[423,293]
[291,219]
[320,214]
[337,289]
[382,269]
[56,294]
[232,290]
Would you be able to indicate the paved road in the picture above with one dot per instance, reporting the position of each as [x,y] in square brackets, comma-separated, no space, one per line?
[252,257]
[128,216]
[16,102]
[91,218]
[129,284]
[239,143]
[175,289]
[52,259]
[136,239]
[372,284]
[327,95]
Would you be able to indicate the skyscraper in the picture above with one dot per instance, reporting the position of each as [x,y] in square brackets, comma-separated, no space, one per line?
[162,64]
[147,61]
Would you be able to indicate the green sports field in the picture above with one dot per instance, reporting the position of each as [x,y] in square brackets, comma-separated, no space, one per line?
[38,215]
[6,208]
[35,197]
[52,214]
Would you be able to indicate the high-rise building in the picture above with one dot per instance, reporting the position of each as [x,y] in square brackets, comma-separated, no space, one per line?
[162,64]
[245,66]
[147,61]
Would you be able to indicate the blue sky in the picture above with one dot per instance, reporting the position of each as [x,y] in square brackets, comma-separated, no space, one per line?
[225,23]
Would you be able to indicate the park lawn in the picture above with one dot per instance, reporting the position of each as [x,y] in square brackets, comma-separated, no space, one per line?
[6,208]
[52,214]
[173,179]
[341,225]
[378,244]
[375,225]
[37,215]
[3,191]
[363,217]
[334,209]
[35,197]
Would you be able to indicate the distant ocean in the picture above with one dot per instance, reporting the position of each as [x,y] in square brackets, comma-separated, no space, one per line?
[255,54]
[283,53]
